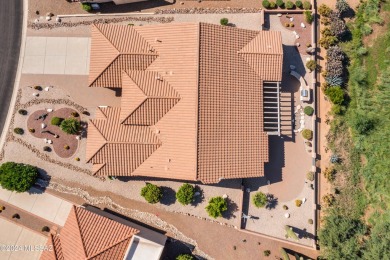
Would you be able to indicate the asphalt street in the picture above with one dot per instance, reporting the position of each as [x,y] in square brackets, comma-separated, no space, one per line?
[11,21]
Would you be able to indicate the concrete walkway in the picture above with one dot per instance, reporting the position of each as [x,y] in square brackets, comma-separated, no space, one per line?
[19,243]
[39,203]
[57,55]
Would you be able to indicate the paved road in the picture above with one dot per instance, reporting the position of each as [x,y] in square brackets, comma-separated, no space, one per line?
[11,17]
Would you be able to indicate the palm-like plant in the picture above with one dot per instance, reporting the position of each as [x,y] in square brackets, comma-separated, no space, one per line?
[334,81]
[70,126]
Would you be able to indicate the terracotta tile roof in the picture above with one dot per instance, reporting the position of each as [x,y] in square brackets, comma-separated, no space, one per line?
[87,235]
[200,96]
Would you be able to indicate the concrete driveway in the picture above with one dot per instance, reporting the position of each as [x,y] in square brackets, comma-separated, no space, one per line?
[39,203]
[24,239]
[56,55]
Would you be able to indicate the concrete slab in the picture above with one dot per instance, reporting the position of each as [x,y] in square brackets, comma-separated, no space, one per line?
[35,46]
[76,65]
[62,213]
[46,207]
[33,64]
[56,46]
[57,55]
[13,234]
[5,194]
[54,65]
[23,200]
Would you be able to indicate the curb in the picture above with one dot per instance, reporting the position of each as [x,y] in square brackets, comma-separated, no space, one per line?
[18,75]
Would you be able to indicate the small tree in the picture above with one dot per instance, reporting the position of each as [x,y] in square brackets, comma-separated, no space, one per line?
[267,253]
[216,207]
[280,3]
[298,203]
[311,65]
[185,257]
[328,199]
[17,177]
[260,200]
[290,5]
[224,21]
[306,5]
[266,4]
[290,233]
[70,126]
[308,110]
[272,5]
[307,134]
[299,4]
[151,193]
[335,94]
[324,10]
[342,6]
[185,194]
[330,174]
[86,7]
[310,176]
[56,120]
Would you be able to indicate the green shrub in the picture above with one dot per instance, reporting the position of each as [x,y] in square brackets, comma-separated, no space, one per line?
[224,21]
[307,134]
[18,131]
[56,120]
[259,200]
[70,126]
[328,200]
[23,112]
[362,124]
[306,5]
[311,65]
[299,4]
[308,110]
[284,254]
[17,177]
[342,6]
[310,176]
[298,203]
[280,3]
[330,174]
[324,10]
[337,109]
[151,193]
[216,207]
[86,7]
[185,194]
[75,114]
[290,5]
[45,229]
[267,253]
[266,4]
[185,257]
[308,16]
[290,233]
[272,5]
[285,207]
[310,221]
[335,94]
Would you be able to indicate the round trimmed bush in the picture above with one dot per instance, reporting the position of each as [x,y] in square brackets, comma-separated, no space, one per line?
[18,131]
[290,5]
[306,5]
[56,120]
[311,65]
[260,200]
[151,193]
[299,4]
[86,7]
[298,203]
[285,207]
[267,253]
[17,177]
[266,4]
[45,229]
[216,207]
[335,94]
[22,112]
[308,110]
[310,221]
[307,134]
[185,194]
[310,176]
[272,5]
[280,3]
[70,126]
[224,21]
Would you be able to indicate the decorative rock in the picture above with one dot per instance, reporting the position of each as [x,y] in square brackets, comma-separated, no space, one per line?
[36,20]
[298,44]
[224,196]
[303,25]
[35,94]
[303,200]
[56,136]
[43,125]
[78,137]
[58,20]
[47,89]
[279,14]
[48,18]
[49,141]
[291,19]
[49,110]
[287,215]
[45,140]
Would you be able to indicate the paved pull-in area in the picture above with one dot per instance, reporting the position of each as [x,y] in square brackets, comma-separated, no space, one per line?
[57,55]
[39,203]
[19,243]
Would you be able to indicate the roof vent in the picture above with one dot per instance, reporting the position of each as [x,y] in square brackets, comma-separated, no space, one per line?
[158,77]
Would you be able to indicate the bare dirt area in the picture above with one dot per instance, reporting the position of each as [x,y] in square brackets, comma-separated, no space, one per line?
[61,7]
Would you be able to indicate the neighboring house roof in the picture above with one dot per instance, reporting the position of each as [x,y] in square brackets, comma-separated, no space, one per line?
[87,235]
[192,104]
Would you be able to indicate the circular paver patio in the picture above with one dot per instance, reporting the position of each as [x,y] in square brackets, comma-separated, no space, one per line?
[63,138]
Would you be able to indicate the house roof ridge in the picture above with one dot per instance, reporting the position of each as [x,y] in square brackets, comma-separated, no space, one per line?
[111,246]
[101,134]
[79,230]
[105,36]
